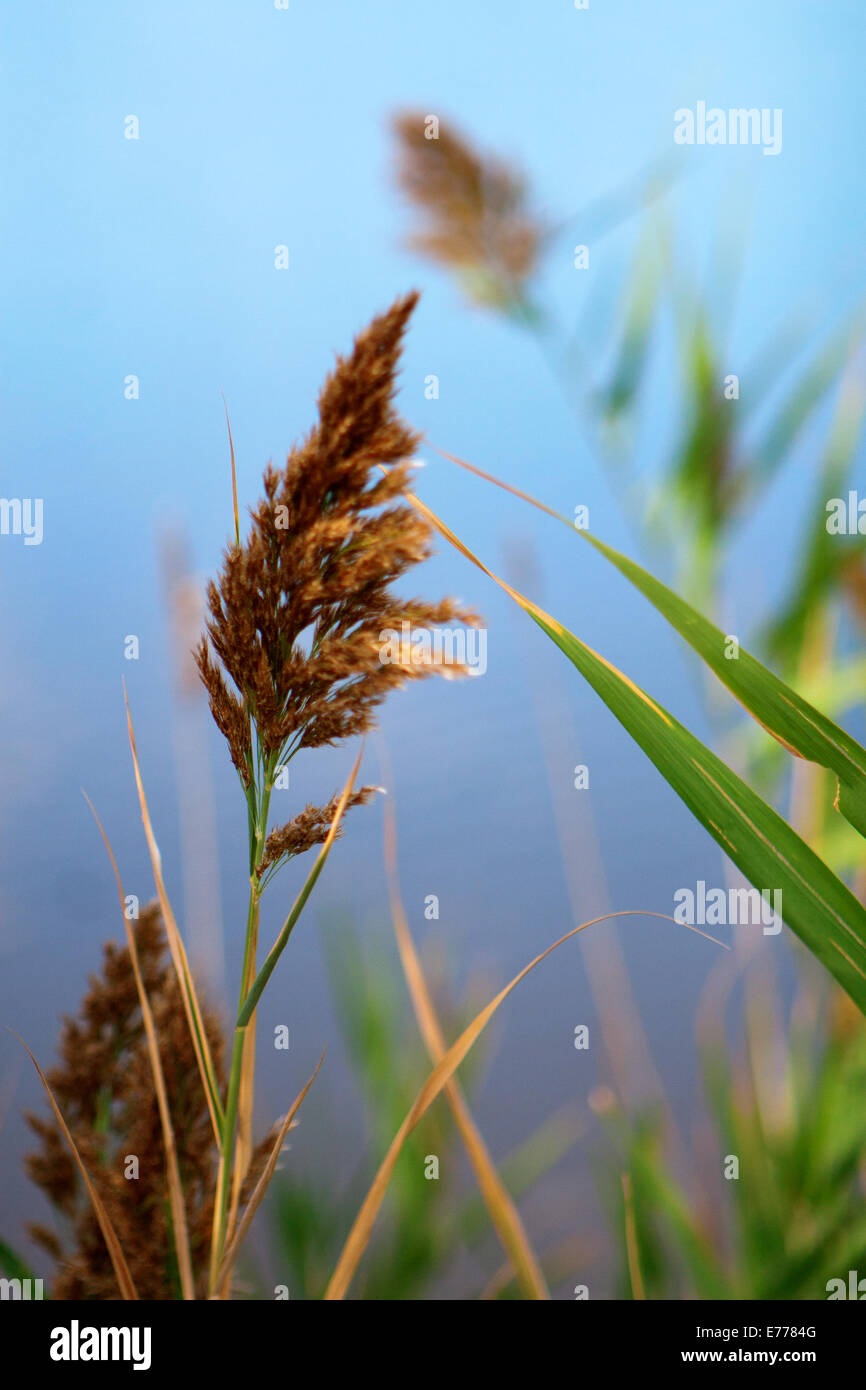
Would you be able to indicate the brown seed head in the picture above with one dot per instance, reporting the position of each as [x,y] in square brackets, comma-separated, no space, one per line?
[294,656]
[476,218]
[104,1088]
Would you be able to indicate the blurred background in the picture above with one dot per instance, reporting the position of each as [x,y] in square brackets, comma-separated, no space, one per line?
[154,258]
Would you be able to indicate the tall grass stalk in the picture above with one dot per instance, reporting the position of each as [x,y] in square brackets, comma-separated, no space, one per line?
[293,660]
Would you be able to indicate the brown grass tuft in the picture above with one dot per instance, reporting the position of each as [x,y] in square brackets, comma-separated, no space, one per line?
[104,1088]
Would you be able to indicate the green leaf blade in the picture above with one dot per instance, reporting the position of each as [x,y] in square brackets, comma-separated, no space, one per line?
[816,905]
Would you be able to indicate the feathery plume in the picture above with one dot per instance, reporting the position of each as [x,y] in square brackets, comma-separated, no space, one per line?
[294,653]
[104,1087]
[477,221]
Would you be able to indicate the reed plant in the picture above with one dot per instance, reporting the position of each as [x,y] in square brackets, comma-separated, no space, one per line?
[292,660]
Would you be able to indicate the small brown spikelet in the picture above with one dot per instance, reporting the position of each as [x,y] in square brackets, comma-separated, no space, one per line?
[306,830]
[293,657]
[477,221]
[104,1088]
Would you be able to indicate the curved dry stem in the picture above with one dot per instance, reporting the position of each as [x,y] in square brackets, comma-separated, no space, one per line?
[362,1229]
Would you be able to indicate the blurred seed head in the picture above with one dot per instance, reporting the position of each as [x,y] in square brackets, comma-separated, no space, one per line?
[475,217]
[104,1087]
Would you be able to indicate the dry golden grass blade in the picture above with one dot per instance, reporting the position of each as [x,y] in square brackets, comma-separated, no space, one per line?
[175,1187]
[634,1273]
[234,477]
[503,1212]
[109,1235]
[177,952]
[445,531]
[561,1260]
[246,1097]
[506,487]
[261,1186]
[361,1231]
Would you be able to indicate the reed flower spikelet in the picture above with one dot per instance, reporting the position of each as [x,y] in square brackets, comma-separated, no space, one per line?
[476,217]
[293,656]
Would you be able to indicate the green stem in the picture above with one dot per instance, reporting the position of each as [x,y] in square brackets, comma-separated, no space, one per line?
[250,994]
[258,819]
[248,1004]
[222,1190]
